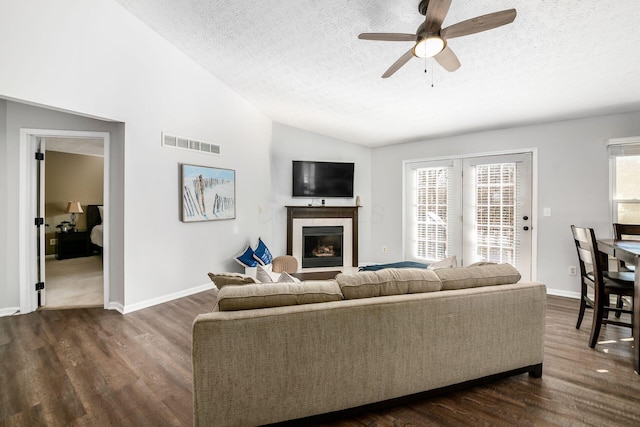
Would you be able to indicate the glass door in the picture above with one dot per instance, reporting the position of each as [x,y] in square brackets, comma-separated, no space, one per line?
[476,208]
[497,211]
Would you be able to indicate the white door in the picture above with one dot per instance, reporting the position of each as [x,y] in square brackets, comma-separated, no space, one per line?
[38,157]
[497,211]
[476,208]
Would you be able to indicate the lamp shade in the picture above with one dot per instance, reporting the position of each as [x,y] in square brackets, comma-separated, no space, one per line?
[73,207]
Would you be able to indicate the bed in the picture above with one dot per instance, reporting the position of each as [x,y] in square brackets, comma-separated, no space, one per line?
[95,227]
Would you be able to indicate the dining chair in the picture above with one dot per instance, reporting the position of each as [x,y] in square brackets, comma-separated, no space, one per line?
[626,231]
[602,283]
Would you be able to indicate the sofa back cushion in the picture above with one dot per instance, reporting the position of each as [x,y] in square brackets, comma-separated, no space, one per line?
[477,275]
[389,281]
[248,297]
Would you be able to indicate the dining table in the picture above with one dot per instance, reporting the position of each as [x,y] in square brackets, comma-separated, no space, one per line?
[629,252]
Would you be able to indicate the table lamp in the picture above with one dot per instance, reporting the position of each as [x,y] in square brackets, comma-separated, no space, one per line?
[73,208]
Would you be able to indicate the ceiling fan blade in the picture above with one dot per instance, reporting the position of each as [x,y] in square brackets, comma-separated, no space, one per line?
[436,12]
[399,63]
[390,37]
[448,59]
[478,24]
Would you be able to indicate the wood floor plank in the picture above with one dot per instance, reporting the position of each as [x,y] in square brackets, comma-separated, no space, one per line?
[92,367]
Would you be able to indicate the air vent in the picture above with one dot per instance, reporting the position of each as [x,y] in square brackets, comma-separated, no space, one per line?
[175,141]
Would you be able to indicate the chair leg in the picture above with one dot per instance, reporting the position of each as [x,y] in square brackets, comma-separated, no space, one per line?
[605,308]
[633,302]
[598,314]
[583,305]
[619,304]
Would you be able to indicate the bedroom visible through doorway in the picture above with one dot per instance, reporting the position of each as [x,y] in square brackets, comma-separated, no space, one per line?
[73,190]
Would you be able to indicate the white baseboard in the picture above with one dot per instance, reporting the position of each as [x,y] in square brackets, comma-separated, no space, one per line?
[561,293]
[165,298]
[9,311]
[116,306]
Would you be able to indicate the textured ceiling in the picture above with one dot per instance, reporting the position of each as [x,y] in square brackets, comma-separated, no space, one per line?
[85,146]
[300,62]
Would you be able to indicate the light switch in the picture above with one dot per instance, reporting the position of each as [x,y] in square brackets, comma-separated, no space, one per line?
[546,212]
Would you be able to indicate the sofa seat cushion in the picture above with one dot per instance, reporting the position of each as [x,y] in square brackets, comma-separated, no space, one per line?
[390,281]
[224,279]
[249,297]
[478,275]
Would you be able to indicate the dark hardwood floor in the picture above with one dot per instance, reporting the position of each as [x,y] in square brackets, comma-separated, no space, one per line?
[95,367]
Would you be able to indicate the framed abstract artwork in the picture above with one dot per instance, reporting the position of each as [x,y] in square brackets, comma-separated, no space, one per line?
[208,193]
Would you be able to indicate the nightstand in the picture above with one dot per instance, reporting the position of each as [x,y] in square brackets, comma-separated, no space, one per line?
[73,244]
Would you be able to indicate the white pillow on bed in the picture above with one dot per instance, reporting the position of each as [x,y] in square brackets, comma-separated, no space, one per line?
[101,210]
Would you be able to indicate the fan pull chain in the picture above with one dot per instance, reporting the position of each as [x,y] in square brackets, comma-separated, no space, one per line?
[432,74]
[425,70]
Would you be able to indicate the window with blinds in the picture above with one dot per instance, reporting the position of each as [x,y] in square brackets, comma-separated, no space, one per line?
[431,212]
[495,212]
[624,161]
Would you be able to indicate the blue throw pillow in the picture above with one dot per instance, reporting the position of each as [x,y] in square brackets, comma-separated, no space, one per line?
[262,253]
[245,257]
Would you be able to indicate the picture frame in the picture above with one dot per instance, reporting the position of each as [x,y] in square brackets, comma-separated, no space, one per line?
[208,193]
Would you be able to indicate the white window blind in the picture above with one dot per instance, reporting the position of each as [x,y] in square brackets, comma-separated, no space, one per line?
[496,209]
[624,164]
[433,210]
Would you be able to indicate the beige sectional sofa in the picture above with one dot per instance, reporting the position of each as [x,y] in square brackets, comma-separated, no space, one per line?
[325,346]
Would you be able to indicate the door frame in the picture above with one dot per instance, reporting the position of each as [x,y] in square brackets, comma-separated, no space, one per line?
[27,211]
[534,194]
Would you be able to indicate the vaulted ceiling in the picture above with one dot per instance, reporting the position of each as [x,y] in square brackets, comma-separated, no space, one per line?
[301,63]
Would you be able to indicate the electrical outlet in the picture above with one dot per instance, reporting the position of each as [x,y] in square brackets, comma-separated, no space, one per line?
[384,249]
[53,242]
[572,270]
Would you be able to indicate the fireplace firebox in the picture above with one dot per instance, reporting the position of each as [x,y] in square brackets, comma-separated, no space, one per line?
[322,246]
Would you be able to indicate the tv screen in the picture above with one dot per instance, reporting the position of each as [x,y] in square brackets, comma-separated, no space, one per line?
[322,179]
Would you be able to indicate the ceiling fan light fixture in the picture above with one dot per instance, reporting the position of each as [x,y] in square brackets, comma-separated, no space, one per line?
[429,46]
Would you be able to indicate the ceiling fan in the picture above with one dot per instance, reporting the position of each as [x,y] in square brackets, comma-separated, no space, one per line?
[431,39]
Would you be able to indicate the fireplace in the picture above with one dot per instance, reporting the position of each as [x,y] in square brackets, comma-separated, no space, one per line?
[335,253]
[322,246]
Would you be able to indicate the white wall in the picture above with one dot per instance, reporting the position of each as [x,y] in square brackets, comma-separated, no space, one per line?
[294,144]
[93,57]
[573,180]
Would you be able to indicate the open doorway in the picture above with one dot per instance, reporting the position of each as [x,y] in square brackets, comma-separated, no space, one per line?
[73,197]
[36,239]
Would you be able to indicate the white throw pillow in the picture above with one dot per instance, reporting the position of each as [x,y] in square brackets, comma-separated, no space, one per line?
[286,277]
[449,262]
[265,275]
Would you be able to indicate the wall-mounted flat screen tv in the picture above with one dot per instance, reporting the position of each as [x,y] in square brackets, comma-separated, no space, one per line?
[322,179]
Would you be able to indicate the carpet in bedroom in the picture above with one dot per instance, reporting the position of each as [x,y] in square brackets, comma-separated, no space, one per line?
[74,283]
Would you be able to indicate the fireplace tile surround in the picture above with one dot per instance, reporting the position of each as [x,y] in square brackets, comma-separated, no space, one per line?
[324,216]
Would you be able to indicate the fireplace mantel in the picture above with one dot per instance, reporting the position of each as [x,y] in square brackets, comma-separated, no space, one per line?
[312,212]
